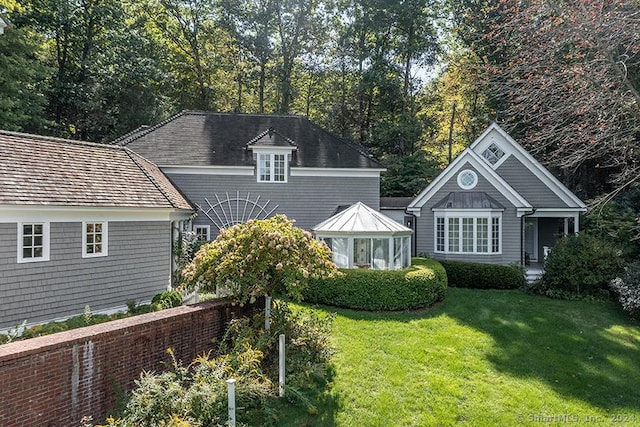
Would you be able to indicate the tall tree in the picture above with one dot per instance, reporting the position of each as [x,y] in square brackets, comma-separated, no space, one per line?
[253,26]
[569,78]
[22,82]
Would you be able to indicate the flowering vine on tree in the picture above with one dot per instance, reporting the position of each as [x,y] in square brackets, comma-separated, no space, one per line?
[260,258]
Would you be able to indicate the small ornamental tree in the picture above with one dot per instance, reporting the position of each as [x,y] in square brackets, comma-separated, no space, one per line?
[260,258]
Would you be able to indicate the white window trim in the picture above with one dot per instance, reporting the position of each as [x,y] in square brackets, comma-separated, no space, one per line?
[272,161]
[205,227]
[475,179]
[105,239]
[45,242]
[489,214]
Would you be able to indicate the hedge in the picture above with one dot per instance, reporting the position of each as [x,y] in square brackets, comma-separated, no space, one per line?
[483,276]
[421,285]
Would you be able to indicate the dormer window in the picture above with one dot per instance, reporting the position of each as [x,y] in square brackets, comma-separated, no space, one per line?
[272,152]
[272,167]
[493,153]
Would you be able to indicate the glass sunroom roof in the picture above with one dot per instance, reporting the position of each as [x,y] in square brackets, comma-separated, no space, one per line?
[360,218]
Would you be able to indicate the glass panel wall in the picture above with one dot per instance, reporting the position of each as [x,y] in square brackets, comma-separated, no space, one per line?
[380,254]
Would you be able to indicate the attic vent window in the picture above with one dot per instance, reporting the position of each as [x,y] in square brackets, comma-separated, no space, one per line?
[467,179]
[493,153]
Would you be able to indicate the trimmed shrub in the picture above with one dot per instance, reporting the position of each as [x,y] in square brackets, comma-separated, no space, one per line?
[483,276]
[421,285]
[627,287]
[580,265]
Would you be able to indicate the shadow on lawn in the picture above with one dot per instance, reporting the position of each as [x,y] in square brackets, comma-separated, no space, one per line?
[582,350]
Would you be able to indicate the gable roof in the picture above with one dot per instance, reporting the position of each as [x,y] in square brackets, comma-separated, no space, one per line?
[37,170]
[360,218]
[469,156]
[271,138]
[196,138]
[542,173]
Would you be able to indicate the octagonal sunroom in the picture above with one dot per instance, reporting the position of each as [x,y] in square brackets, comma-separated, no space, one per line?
[361,237]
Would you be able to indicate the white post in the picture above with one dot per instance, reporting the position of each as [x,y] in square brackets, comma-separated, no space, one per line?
[267,313]
[282,365]
[566,226]
[231,394]
[576,224]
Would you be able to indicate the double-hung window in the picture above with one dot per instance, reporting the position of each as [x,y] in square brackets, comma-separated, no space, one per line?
[94,239]
[33,241]
[272,167]
[458,232]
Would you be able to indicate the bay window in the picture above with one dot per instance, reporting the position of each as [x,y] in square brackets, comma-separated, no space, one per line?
[462,232]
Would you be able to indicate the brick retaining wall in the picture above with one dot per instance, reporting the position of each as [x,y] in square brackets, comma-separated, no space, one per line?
[55,380]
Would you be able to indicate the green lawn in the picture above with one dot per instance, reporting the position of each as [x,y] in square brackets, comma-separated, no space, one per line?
[484,357]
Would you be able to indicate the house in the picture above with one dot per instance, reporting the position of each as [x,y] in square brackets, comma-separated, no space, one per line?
[494,204]
[234,167]
[81,225]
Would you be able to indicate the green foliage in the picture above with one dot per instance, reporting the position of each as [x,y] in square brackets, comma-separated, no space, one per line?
[197,393]
[407,176]
[184,249]
[422,284]
[166,299]
[258,258]
[22,100]
[483,276]
[580,265]
[616,224]
[627,287]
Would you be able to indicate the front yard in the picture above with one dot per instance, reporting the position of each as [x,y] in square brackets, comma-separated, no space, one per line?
[484,357]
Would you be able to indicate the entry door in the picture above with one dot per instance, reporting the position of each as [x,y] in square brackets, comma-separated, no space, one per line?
[531,238]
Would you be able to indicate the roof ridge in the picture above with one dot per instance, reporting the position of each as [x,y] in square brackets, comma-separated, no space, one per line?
[47,138]
[148,175]
[140,131]
[231,113]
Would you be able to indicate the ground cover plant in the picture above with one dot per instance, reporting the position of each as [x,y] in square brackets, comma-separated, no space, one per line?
[196,395]
[485,358]
[418,286]
[161,301]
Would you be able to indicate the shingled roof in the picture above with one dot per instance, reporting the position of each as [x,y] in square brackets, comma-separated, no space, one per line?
[196,138]
[37,170]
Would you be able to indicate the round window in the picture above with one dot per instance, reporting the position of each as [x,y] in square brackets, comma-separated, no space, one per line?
[467,179]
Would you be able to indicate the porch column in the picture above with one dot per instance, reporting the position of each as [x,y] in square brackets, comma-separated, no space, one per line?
[576,223]
[566,226]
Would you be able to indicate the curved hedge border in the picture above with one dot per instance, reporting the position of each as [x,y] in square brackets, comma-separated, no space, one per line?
[422,284]
[483,276]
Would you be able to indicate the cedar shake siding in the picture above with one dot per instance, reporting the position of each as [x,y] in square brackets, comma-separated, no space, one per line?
[510,225]
[52,263]
[521,179]
[308,200]
[138,266]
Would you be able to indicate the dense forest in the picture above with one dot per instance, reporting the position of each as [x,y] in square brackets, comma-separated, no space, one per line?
[406,78]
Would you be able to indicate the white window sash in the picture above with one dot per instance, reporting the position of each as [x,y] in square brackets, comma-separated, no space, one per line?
[45,242]
[104,235]
[443,244]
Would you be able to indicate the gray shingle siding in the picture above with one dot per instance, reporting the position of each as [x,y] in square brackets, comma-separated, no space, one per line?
[511,242]
[308,200]
[136,268]
[522,180]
